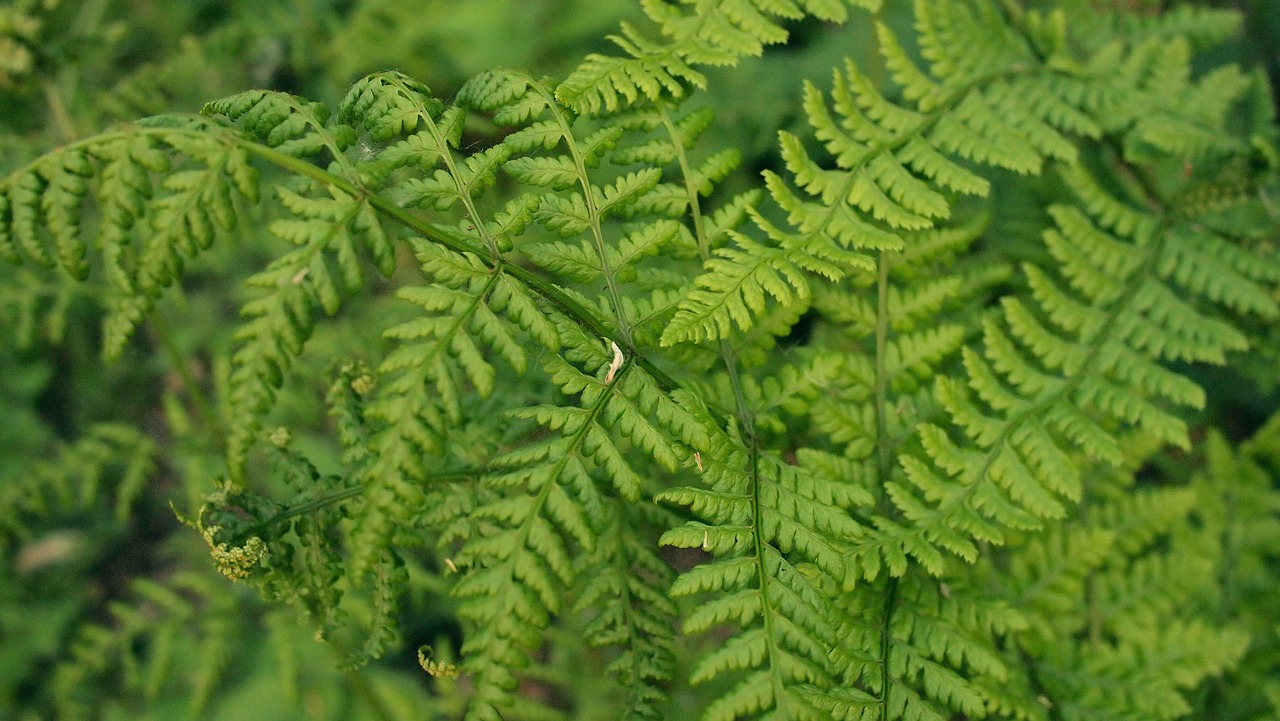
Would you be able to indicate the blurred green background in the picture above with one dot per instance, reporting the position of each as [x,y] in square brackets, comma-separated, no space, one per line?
[109,607]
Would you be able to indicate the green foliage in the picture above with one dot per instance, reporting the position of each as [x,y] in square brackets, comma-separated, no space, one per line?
[530,378]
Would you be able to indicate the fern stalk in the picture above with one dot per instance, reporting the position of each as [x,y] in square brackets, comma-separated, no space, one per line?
[727,355]
[571,306]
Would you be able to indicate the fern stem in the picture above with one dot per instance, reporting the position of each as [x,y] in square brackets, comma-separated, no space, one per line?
[1015,14]
[335,151]
[343,494]
[464,193]
[1094,610]
[767,611]
[88,19]
[686,174]
[739,398]
[58,110]
[884,457]
[593,210]
[886,644]
[1052,710]
[316,503]
[704,250]
[295,511]
[1230,552]
[548,290]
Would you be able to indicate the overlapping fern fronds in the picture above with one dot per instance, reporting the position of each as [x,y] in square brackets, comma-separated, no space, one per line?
[829,395]
[532,515]
[1084,359]
[897,169]
[1056,379]
[896,165]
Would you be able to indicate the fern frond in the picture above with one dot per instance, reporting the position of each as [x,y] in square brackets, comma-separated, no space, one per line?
[160,622]
[903,421]
[603,84]
[1055,378]
[334,235]
[921,284]
[627,580]
[145,230]
[1236,527]
[716,33]
[1174,658]
[78,474]
[481,306]
[734,285]
[538,509]
[918,649]
[896,164]
[1139,583]
[1203,26]
[1049,578]
[336,228]
[443,358]
[548,510]
[770,528]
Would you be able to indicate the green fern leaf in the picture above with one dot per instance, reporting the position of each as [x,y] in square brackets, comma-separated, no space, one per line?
[717,33]
[754,506]
[330,232]
[1107,341]
[626,580]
